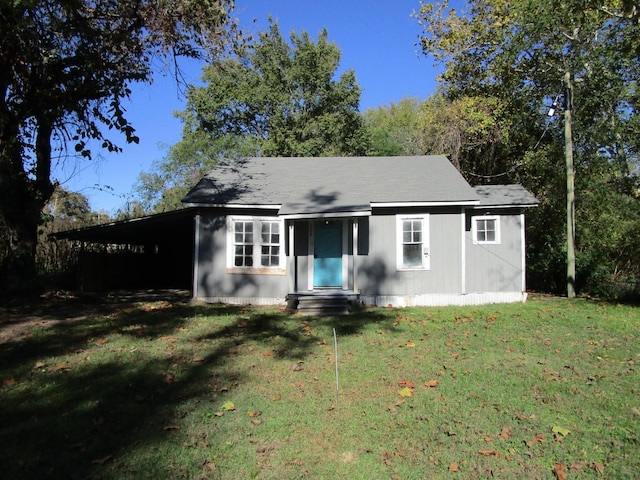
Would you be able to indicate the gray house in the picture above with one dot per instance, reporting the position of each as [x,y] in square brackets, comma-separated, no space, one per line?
[398,231]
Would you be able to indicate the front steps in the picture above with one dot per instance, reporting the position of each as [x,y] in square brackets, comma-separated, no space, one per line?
[329,303]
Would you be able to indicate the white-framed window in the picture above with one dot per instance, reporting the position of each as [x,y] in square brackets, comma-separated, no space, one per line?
[486,229]
[255,244]
[412,245]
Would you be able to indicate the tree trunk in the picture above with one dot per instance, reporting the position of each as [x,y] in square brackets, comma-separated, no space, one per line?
[22,197]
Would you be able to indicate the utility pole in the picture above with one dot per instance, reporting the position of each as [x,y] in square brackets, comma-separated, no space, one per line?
[571,203]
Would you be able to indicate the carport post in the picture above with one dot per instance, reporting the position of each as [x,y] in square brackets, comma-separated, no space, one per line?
[196,254]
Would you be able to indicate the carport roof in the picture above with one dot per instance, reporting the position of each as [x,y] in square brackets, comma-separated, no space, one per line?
[150,230]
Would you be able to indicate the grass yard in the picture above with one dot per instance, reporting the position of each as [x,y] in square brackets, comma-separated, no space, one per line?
[159,389]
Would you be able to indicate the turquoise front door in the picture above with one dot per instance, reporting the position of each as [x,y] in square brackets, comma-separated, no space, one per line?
[327,254]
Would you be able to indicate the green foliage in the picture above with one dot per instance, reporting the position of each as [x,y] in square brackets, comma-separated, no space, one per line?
[517,54]
[395,129]
[65,69]
[56,260]
[283,94]
[273,98]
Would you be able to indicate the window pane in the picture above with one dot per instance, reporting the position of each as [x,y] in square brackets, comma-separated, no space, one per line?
[270,244]
[486,230]
[412,243]
[412,255]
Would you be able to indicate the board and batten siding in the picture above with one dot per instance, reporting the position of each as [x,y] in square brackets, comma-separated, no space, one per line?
[213,283]
[378,274]
[496,267]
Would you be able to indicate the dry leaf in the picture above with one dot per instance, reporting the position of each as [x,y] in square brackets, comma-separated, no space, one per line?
[488,453]
[411,344]
[560,471]
[62,368]
[506,432]
[407,383]
[454,467]
[171,427]
[254,413]
[198,358]
[538,438]
[102,341]
[561,431]
[405,392]
[598,467]
[431,383]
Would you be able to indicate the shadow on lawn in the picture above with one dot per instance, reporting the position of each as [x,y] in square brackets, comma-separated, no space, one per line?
[79,415]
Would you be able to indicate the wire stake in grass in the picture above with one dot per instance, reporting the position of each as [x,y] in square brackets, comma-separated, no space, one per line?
[335,350]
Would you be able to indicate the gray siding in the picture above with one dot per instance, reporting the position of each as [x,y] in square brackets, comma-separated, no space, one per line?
[377,271]
[212,279]
[495,268]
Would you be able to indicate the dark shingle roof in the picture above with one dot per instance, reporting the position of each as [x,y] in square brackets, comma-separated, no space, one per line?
[332,184]
[505,196]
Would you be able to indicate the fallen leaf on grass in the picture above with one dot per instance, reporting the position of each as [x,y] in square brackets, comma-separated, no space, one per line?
[488,453]
[405,392]
[171,427]
[560,471]
[198,358]
[431,383]
[407,383]
[62,368]
[454,467]
[598,467]
[228,406]
[102,341]
[506,432]
[7,382]
[254,413]
[538,438]
[560,431]
[411,344]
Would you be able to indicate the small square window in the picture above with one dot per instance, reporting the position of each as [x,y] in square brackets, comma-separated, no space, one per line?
[486,230]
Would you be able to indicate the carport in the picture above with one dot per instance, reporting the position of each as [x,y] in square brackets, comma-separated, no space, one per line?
[155,251]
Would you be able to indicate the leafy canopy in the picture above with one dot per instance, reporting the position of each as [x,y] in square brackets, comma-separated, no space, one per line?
[65,69]
[272,98]
[521,54]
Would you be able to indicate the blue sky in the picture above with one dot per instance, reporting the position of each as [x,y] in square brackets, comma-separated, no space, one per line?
[377,39]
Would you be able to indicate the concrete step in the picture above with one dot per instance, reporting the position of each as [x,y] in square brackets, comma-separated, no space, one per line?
[319,305]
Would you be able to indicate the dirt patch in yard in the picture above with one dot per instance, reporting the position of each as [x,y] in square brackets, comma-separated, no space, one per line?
[19,317]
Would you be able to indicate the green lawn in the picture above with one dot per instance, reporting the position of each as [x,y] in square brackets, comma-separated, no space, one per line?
[155,390]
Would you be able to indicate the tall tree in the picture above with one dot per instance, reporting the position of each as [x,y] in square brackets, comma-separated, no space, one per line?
[65,69]
[526,53]
[283,94]
[275,98]
[395,129]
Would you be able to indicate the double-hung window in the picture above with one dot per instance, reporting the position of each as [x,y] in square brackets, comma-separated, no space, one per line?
[412,233]
[255,244]
[486,229]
